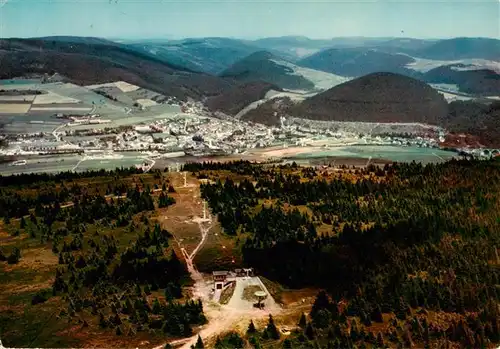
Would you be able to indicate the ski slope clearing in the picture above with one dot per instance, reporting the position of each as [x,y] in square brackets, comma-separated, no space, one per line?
[321,80]
[296,96]
[450,97]
[424,65]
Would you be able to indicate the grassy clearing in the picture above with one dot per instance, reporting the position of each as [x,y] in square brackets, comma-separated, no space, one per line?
[23,324]
[227,294]
[275,289]
[249,292]
[220,251]
[33,325]
[288,297]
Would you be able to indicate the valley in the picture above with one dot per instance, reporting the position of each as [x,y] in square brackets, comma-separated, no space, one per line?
[118,124]
[280,192]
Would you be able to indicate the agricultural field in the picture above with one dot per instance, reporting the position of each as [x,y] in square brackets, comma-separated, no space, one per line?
[18,99]
[121,85]
[54,98]
[14,108]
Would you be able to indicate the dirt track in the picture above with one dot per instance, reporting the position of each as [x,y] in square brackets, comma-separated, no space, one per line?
[221,318]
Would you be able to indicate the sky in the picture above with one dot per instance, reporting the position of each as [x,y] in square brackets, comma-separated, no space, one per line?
[249,19]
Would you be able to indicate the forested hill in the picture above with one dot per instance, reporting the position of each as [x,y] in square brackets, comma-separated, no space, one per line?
[90,62]
[377,97]
[264,66]
[408,253]
[83,255]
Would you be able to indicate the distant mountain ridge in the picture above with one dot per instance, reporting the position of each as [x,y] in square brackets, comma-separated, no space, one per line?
[76,39]
[264,66]
[209,55]
[476,80]
[259,66]
[357,62]
[485,82]
[462,48]
[86,64]
[188,67]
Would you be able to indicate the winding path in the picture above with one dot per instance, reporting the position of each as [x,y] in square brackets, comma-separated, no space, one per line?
[220,317]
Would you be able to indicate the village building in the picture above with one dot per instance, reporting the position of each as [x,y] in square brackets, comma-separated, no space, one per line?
[219,279]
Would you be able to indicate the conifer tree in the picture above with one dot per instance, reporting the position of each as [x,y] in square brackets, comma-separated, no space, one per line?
[380,341]
[377,314]
[321,302]
[156,309]
[102,321]
[15,256]
[199,343]
[287,344]
[251,328]
[218,343]
[138,291]
[310,331]
[271,329]
[303,321]
[322,318]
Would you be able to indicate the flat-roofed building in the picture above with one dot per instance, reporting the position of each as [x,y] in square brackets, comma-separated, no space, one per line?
[219,279]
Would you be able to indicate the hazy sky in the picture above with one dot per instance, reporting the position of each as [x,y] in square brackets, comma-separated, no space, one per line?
[250,18]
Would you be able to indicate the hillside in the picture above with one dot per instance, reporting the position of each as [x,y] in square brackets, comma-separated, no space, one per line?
[405,45]
[405,255]
[269,112]
[209,55]
[470,80]
[355,62]
[462,48]
[477,119]
[264,66]
[293,47]
[377,97]
[89,40]
[238,97]
[84,255]
[87,64]
[260,66]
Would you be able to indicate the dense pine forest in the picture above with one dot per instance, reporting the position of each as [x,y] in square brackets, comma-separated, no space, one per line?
[113,271]
[407,254]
